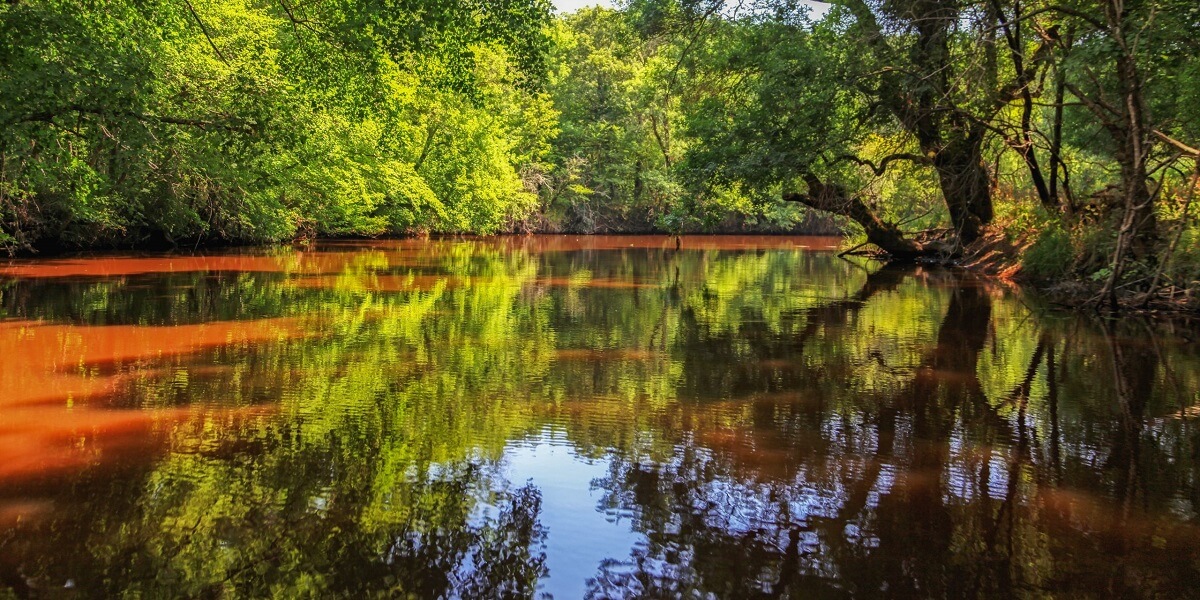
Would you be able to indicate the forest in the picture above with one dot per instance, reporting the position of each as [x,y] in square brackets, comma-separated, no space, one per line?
[1057,138]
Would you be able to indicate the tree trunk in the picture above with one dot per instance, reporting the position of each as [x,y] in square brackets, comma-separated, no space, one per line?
[966,185]
[921,99]
[1056,163]
[1129,125]
[1133,153]
[834,199]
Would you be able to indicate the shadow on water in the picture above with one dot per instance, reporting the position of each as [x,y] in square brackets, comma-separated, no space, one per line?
[770,422]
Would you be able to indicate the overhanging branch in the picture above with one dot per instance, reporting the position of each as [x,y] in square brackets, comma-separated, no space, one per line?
[50,115]
[835,199]
[1178,145]
[885,161]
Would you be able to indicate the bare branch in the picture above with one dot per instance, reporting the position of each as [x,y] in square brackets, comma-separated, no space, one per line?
[1182,147]
[204,29]
[885,161]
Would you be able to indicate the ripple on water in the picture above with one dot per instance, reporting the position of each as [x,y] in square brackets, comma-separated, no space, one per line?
[745,416]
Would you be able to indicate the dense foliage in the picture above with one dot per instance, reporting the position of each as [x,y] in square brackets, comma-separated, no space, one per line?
[1065,129]
[247,120]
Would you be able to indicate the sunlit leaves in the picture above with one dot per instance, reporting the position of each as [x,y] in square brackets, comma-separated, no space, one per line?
[245,121]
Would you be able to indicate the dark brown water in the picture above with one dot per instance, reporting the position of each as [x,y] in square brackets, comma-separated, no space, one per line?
[604,417]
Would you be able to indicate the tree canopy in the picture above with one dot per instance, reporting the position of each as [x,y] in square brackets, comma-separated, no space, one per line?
[931,128]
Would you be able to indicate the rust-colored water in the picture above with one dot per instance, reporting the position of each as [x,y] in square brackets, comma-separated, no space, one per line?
[581,416]
[57,383]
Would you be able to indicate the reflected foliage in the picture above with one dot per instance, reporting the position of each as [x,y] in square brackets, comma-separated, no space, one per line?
[775,422]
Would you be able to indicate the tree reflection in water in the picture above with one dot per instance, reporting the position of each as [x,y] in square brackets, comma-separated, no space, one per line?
[926,489]
[775,423]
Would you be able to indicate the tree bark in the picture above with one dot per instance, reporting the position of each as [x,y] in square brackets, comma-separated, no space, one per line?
[1128,121]
[966,185]
[921,99]
[1056,136]
[834,199]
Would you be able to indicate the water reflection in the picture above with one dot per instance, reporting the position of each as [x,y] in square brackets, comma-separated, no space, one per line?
[603,416]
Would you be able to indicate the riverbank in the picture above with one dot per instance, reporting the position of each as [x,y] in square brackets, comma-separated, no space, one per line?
[156,242]
[998,254]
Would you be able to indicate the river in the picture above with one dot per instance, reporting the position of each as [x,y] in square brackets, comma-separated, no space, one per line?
[602,417]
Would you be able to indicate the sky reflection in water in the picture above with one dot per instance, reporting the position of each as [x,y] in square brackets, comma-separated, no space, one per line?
[599,416]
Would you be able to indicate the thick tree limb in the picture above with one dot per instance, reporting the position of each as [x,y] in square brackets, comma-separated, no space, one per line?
[834,199]
[885,161]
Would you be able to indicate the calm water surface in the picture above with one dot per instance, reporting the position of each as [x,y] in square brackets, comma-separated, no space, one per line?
[599,417]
